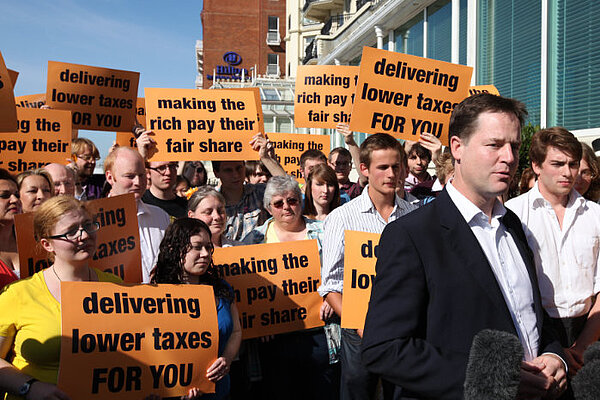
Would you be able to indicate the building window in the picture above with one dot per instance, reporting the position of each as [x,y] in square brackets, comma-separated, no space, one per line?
[308,40]
[439,31]
[273,64]
[273,38]
[509,50]
[573,64]
[409,37]
[273,24]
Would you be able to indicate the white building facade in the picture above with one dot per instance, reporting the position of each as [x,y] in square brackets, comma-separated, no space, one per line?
[542,52]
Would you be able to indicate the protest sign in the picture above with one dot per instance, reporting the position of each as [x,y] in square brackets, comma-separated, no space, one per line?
[32,256]
[43,137]
[100,98]
[8,111]
[118,243]
[360,257]
[259,113]
[290,146]
[483,89]
[276,289]
[128,342]
[405,95]
[192,124]
[324,95]
[31,100]
[127,139]
[14,75]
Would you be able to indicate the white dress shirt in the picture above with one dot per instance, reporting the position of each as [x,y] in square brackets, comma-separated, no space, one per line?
[566,259]
[359,214]
[152,223]
[509,268]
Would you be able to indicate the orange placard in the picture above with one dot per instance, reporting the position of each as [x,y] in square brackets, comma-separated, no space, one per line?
[405,95]
[101,99]
[31,100]
[127,139]
[193,124]
[259,112]
[8,111]
[32,257]
[483,89]
[43,137]
[290,146]
[14,75]
[324,95]
[118,244]
[360,257]
[276,288]
[128,342]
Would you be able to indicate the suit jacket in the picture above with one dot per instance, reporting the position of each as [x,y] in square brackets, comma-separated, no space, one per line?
[434,291]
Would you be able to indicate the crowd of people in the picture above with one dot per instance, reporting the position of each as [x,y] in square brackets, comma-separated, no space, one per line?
[455,256]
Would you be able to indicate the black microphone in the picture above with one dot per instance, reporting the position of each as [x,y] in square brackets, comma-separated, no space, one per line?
[586,384]
[494,368]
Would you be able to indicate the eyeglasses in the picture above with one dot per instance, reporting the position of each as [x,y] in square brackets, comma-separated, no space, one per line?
[163,168]
[199,170]
[75,233]
[89,158]
[291,201]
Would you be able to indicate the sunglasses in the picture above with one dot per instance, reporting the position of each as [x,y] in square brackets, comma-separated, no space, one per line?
[291,201]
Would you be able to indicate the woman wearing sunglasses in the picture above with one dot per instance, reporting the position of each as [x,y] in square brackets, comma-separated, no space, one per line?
[294,365]
[30,321]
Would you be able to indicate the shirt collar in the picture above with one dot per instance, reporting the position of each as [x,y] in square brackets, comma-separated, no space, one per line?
[470,211]
[365,204]
[537,200]
[141,207]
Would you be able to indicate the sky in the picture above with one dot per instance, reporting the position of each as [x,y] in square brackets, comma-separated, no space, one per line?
[155,38]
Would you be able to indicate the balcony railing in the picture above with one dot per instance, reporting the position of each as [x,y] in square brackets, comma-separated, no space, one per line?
[273,70]
[335,23]
[273,38]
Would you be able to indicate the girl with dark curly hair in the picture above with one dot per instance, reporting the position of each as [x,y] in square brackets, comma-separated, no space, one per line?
[186,257]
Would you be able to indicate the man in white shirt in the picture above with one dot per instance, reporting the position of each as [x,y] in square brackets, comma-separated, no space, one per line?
[382,161]
[460,265]
[563,230]
[126,173]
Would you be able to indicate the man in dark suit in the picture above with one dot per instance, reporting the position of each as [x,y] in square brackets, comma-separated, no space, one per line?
[458,266]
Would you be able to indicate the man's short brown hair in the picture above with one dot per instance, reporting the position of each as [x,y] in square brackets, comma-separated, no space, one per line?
[381,141]
[557,137]
[464,117]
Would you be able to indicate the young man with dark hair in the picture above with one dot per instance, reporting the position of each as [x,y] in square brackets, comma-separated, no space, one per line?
[309,159]
[563,230]
[418,160]
[460,265]
[381,160]
[163,178]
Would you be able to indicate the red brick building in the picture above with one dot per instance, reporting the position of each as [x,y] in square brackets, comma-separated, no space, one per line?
[237,36]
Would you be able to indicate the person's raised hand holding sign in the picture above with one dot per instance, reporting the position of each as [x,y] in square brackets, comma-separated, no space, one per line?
[261,143]
[145,144]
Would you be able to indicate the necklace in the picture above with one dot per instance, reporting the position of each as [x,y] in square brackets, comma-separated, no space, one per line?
[60,280]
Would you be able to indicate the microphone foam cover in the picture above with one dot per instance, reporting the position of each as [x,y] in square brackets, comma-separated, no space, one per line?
[494,367]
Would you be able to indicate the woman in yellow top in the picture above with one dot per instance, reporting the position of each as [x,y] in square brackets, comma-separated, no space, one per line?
[30,321]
